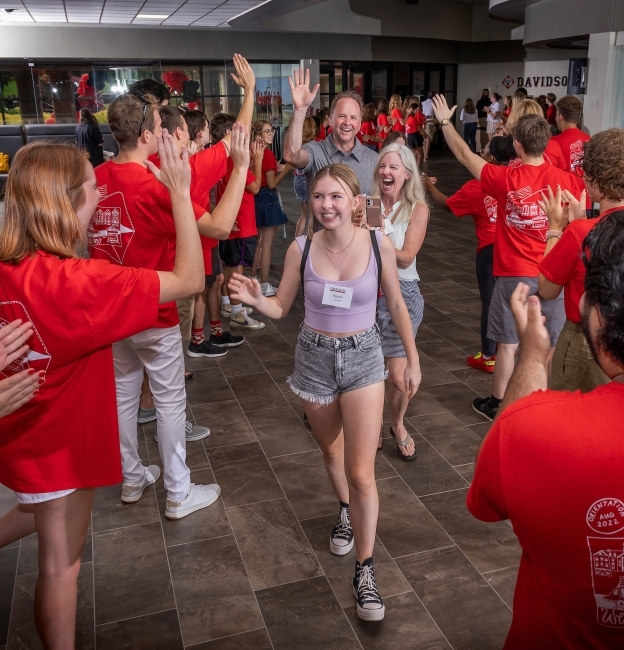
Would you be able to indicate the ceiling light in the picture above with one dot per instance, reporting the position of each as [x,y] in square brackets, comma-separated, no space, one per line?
[156,16]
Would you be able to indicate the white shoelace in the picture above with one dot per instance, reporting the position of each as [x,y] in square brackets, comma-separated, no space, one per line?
[342,529]
[367,589]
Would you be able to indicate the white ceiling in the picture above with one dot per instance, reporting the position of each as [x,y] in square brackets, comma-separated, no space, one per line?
[196,13]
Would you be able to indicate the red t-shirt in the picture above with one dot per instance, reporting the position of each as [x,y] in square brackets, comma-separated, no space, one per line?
[268,163]
[472,200]
[563,264]
[133,224]
[521,235]
[571,143]
[322,134]
[551,114]
[410,125]
[397,115]
[367,128]
[67,435]
[552,464]
[554,155]
[382,120]
[421,119]
[245,224]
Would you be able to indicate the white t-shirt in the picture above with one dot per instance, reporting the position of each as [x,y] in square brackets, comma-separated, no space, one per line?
[494,108]
[468,118]
[427,109]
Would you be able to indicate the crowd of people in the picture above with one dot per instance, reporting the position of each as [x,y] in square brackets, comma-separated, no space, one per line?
[162,259]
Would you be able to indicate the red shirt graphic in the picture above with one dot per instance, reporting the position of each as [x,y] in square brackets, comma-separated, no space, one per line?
[245,224]
[552,464]
[133,224]
[571,143]
[521,230]
[78,308]
[472,200]
[410,125]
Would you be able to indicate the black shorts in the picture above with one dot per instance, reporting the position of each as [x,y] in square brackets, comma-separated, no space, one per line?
[238,252]
[216,270]
[415,140]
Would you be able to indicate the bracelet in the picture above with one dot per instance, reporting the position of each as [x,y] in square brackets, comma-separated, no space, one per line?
[445,122]
[553,233]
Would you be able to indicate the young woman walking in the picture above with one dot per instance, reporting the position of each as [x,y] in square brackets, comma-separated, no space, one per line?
[339,369]
[469,118]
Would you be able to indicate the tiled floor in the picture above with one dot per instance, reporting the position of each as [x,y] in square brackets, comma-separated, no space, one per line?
[253,571]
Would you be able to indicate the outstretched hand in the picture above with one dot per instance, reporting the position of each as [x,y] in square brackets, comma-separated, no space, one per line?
[299,83]
[239,146]
[245,289]
[244,77]
[441,109]
[532,333]
[557,210]
[175,170]
[577,206]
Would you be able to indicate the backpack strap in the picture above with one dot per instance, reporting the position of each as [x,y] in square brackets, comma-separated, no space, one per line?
[304,259]
[375,244]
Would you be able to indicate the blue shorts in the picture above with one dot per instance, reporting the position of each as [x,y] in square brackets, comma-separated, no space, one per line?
[268,209]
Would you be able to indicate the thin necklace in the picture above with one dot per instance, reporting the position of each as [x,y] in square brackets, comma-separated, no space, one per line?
[348,249]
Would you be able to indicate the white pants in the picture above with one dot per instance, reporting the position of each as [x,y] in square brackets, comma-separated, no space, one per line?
[159,351]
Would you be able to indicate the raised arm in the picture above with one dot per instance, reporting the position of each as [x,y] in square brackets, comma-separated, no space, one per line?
[473,163]
[218,225]
[257,153]
[245,78]
[302,99]
[435,194]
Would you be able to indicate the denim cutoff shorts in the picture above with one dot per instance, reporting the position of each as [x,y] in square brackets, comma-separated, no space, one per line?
[326,366]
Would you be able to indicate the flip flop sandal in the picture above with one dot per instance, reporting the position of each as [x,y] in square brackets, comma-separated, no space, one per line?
[404,443]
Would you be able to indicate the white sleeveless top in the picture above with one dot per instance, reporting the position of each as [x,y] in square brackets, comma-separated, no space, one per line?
[397,237]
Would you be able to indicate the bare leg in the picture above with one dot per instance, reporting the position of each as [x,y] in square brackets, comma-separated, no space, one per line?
[268,235]
[398,400]
[419,157]
[18,522]
[229,272]
[256,262]
[503,368]
[326,423]
[61,529]
[199,314]
[214,299]
[146,402]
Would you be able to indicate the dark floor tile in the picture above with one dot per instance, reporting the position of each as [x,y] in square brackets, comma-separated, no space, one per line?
[433,374]
[425,333]
[23,634]
[159,631]
[503,582]
[8,567]
[272,543]
[458,398]
[279,431]
[109,512]
[453,440]
[202,524]
[466,471]
[255,392]
[426,274]
[421,404]
[429,473]
[489,546]
[406,625]
[131,573]
[304,480]
[198,363]
[279,370]
[480,382]
[473,303]
[339,569]
[468,280]
[244,474]
[7,501]
[227,423]
[405,526]
[451,289]
[469,613]
[459,335]
[431,315]
[305,615]
[469,319]
[383,469]
[256,640]
[212,590]
[208,386]
[241,360]
[444,353]
[481,429]
[271,347]
[445,304]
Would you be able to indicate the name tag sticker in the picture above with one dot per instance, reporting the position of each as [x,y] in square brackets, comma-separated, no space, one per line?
[337,296]
[388,227]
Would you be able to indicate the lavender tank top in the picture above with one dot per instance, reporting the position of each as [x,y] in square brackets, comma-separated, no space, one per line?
[327,318]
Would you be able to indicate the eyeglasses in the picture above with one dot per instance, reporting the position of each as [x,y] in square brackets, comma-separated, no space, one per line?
[145,105]
[271,131]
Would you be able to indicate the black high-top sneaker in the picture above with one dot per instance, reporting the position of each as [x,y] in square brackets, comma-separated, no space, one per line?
[341,540]
[369,604]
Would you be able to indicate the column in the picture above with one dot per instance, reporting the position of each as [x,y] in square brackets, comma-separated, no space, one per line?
[600,104]
[315,76]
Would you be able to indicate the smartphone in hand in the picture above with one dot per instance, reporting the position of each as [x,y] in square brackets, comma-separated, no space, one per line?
[373,212]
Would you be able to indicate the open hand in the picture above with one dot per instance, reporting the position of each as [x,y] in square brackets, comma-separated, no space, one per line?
[245,289]
[239,146]
[244,77]
[12,339]
[175,171]
[533,335]
[257,150]
[299,83]
[555,208]
[441,109]
[577,206]
[18,389]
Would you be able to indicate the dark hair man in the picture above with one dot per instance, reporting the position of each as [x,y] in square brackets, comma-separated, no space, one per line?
[150,87]
[552,464]
[571,138]
[483,103]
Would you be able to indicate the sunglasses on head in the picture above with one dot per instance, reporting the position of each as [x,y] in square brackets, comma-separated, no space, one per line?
[145,105]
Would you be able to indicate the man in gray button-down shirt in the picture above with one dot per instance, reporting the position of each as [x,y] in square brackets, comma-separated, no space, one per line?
[341,146]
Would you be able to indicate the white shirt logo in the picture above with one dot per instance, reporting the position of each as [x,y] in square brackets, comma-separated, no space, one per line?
[111,228]
[576,154]
[37,355]
[523,213]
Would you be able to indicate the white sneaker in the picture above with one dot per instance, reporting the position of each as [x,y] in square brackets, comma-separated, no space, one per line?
[199,496]
[132,493]
[192,431]
[226,311]
[268,289]
[242,321]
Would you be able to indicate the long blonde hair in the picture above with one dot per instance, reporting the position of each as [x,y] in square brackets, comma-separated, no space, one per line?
[522,108]
[43,192]
[412,192]
[395,102]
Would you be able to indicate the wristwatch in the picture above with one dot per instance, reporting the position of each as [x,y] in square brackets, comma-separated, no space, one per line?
[445,122]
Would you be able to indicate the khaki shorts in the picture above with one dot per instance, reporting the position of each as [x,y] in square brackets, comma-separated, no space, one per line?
[430,129]
[573,365]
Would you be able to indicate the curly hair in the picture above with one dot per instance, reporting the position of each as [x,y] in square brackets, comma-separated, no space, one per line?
[603,163]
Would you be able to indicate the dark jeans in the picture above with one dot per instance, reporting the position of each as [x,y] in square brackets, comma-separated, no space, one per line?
[470,136]
[486,281]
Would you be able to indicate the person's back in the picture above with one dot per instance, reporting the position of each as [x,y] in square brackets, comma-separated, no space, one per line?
[89,137]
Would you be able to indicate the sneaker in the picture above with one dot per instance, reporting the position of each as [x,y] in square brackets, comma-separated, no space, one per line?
[146,415]
[192,431]
[205,349]
[478,362]
[227,340]
[482,405]
[341,539]
[369,604]
[242,321]
[226,311]
[132,493]
[268,289]
[199,496]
